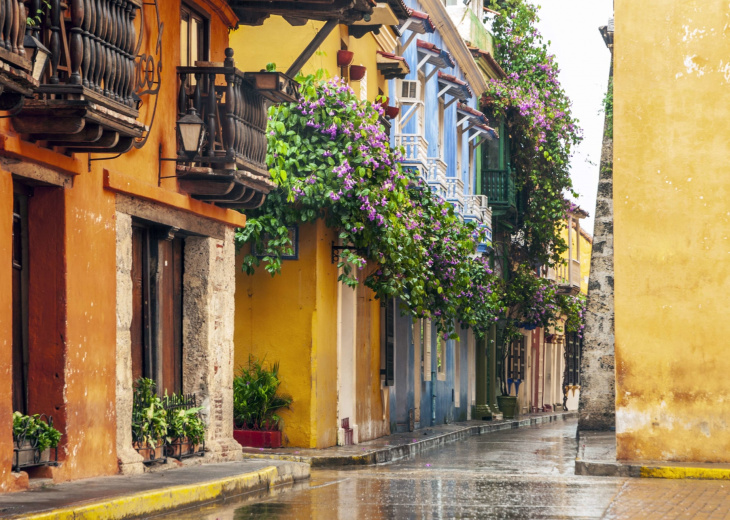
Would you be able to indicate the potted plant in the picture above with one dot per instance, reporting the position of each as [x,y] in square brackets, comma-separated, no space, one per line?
[392,112]
[149,421]
[256,404]
[33,438]
[185,428]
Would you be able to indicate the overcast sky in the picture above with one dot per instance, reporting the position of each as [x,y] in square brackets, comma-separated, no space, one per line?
[584,61]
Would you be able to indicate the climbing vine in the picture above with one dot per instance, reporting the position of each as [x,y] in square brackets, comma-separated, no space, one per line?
[331,160]
[541,128]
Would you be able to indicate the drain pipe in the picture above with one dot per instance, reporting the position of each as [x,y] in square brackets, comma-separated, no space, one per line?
[433,398]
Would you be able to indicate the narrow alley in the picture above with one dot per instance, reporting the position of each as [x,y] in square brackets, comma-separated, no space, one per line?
[526,473]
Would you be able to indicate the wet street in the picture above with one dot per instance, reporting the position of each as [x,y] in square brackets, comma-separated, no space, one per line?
[525,473]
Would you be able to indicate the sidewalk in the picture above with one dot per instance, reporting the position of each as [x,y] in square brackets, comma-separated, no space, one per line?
[401,445]
[149,494]
[597,458]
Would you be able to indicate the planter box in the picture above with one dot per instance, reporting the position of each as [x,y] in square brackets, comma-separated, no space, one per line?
[182,449]
[258,438]
[26,457]
[151,453]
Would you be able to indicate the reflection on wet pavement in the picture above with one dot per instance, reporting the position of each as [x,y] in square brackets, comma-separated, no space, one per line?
[526,473]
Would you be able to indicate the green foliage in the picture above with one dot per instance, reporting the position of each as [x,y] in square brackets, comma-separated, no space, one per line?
[38,432]
[541,128]
[332,160]
[530,301]
[256,397]
[185,423]
[608,110]
[574,310]
[37,17]
[149,417]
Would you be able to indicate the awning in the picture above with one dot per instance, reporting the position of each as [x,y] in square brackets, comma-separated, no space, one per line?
[392,66]
[483,132]
[429,53]
[417,23]
[470,115]
[484,55]
[454,87]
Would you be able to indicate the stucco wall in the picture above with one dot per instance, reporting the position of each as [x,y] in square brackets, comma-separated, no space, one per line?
[671,220]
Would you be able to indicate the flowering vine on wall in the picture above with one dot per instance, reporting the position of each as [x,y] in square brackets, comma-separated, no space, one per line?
[331,160]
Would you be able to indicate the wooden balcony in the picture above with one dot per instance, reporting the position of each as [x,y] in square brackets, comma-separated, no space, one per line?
[85,102]
[230,170]
[15,65]
[567,276]
[499,187]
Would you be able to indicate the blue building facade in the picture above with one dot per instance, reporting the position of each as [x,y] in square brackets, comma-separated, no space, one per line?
[440,130]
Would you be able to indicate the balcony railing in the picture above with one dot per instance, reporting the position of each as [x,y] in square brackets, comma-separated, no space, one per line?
[85,102]
[476,208]
[15,73]
[455,193]
[415,148]
[499,187]
[567,275]
[436,176]
[230,169]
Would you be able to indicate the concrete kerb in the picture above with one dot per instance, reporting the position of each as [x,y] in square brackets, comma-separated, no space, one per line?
[597,458]
[394,453]
[166,499]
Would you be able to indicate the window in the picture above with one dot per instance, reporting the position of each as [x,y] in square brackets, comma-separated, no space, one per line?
[157,290]
[572,359]
[516,359]
[426,350]
[194,30]
[20,299]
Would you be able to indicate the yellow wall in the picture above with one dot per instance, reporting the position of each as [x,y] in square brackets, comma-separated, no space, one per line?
[671,225]
[291,318]
[586,248]
[253,50]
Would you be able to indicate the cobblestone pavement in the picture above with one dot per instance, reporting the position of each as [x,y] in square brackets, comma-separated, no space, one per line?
[526,473]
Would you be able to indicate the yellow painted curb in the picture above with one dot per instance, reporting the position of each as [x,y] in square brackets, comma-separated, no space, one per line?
[685,473]
[163,500]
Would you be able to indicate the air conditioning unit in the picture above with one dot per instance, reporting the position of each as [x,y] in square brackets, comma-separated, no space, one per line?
[409,91]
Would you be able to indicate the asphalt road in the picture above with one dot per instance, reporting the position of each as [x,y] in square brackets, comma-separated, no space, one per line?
[514,474]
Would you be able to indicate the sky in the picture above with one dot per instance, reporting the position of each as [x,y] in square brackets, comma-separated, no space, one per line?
[571,26]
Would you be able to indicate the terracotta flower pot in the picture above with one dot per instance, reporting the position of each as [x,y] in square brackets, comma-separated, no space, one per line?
[392,112]
[357,72]
[258,438]
[344,58]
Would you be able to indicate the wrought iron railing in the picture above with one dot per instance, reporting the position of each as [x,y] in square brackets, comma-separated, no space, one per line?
[499,187]
[26,451]
[181,448]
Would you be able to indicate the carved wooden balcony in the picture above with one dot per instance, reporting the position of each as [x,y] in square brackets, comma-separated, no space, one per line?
[230,170]
[85,102]
[15,65]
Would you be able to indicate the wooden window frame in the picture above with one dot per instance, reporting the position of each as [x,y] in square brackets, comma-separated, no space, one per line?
[20,310]
[190,12]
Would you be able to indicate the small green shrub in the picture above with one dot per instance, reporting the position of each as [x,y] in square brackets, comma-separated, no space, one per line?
[256,399]
[149,417]
[32,428]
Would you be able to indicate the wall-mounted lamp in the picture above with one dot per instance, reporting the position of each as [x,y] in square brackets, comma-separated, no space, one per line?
[191,130]
[39,56]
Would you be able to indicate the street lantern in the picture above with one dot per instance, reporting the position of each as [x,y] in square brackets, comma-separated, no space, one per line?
[39,56]
[191,130]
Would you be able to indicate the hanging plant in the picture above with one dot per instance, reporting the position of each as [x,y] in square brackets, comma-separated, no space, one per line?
[332,160]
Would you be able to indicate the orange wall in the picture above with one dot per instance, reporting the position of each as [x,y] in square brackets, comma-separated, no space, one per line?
[73,375]
[6,330]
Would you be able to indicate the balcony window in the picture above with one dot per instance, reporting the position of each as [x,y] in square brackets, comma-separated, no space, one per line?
[194,40]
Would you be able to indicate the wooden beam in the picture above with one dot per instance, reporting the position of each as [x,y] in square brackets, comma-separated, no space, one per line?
[309,51]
